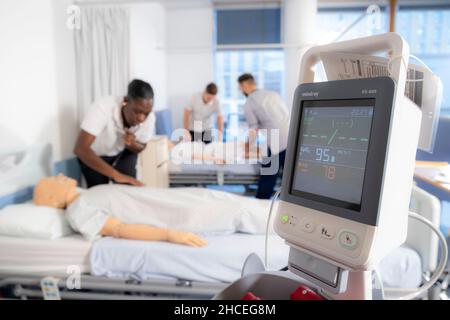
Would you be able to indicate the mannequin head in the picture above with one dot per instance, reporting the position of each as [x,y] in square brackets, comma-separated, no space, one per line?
[55,192]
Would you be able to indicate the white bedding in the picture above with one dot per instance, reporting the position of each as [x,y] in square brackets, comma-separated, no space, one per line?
[187,209]
[222,260]
[35,256]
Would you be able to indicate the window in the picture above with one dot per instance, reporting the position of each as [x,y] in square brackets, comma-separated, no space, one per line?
[238,31]
[266,66]
[425,28]
[334,21]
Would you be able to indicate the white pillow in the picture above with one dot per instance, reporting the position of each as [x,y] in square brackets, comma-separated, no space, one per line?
[30,221]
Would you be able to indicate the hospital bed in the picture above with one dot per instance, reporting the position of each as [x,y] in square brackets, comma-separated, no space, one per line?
[235,170]
[127,269]
[203,174]
[158,168]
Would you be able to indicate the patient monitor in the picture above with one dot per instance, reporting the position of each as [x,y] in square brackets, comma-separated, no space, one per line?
[349,170]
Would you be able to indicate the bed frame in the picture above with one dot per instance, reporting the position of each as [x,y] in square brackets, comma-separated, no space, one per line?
[216,178]
[102,288]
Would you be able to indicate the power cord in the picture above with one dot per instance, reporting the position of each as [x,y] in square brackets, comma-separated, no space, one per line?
[406,67]
[266,242]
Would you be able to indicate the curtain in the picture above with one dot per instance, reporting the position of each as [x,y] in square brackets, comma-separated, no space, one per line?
[102,54]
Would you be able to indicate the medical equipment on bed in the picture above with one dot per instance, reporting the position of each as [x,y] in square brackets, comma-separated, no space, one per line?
[349,168]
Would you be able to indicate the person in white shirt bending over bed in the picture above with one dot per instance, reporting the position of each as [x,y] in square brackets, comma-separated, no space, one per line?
[198,115]
[152,214]
[113,133]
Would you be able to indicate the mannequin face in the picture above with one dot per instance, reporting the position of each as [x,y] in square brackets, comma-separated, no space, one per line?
[55,192]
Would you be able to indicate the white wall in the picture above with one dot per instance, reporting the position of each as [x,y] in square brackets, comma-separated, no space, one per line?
[189,53]
[147,45]
[28,109]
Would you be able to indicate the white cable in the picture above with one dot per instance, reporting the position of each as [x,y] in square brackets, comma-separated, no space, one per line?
[423,63]
[442,263]
[406,67]
[267,227]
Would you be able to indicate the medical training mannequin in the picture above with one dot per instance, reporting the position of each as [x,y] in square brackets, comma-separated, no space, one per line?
[60,192]
[213,153]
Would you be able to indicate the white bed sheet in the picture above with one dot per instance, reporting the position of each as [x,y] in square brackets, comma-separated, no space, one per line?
[37,256]
[402,268]
[221,260]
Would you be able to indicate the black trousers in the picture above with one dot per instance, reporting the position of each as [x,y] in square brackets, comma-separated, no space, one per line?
[125,162]
[204,136]
[267,182]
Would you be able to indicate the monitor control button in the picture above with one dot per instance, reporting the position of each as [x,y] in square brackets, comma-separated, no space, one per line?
[348,239]
[293,221]
[308,226]
[327,232]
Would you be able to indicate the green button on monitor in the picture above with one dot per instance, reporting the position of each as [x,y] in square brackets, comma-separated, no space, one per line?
[285,218]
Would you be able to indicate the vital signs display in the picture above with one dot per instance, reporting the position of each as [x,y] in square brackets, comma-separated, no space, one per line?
[331,154]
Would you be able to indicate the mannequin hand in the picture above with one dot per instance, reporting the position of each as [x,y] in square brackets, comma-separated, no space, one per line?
[187,137]
[124,179]
[186,238]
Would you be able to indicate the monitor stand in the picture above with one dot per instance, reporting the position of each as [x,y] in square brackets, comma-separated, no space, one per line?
[333,281]
[359,287]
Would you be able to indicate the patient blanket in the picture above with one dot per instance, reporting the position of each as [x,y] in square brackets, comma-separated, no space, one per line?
[189,209]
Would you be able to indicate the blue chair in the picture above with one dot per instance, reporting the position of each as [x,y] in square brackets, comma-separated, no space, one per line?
[164,122]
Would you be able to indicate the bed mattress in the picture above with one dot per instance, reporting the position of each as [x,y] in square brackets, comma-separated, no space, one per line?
[222,260]
[36,256]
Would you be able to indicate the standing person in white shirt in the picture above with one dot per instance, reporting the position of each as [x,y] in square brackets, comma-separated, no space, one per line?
[113,133]
[265,110]
[199,115]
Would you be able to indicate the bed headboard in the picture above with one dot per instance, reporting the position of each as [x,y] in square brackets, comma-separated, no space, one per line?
[21,169]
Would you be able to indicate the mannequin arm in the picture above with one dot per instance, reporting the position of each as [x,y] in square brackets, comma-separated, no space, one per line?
[117,229]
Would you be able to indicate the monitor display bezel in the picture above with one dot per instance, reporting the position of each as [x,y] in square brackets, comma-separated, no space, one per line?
[382,90]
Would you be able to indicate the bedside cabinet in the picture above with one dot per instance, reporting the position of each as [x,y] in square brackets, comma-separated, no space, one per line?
[154,163]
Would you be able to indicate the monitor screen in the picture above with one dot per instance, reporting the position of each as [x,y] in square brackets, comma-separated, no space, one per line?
[333,142]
